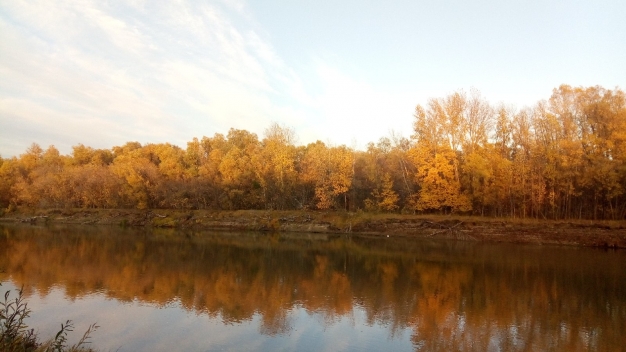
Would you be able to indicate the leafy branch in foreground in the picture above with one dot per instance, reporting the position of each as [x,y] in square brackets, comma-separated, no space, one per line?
[15,336]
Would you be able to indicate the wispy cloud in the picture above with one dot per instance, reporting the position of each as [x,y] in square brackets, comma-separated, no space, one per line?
[102,74]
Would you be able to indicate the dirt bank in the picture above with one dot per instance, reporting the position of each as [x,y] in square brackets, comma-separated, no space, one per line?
[580,233]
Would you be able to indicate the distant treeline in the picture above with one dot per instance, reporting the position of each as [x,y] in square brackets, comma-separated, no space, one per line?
[563,158]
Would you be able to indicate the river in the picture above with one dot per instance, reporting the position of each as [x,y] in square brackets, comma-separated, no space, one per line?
[173,290]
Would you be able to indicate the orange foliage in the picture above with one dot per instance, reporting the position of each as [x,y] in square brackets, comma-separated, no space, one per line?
[562,158]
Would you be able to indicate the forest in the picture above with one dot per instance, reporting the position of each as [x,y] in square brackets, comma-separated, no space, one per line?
[563,158]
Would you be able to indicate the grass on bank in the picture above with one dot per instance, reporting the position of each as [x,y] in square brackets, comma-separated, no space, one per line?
[15,336]
[270,219]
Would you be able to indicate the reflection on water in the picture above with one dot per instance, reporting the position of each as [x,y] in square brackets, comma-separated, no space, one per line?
[223,291]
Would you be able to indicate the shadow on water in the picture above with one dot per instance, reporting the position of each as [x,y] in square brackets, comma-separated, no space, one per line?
[445,295]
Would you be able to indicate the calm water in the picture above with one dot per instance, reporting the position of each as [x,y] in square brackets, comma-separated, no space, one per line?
[168,290]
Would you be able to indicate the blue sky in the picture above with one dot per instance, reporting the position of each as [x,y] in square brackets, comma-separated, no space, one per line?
[102,73]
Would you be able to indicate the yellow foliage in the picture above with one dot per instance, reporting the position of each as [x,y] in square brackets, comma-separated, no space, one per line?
[440,188]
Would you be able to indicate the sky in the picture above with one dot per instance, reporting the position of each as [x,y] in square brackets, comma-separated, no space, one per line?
[103,73]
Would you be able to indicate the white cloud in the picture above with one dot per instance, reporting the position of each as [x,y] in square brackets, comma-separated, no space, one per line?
[90,72]
[166,71]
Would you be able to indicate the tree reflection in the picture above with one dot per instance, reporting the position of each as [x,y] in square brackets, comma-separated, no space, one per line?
[451,295]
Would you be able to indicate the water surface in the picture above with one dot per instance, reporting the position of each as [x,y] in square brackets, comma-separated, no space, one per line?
[207,291]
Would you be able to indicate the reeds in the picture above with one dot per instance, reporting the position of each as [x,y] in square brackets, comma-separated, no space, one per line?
[15,336]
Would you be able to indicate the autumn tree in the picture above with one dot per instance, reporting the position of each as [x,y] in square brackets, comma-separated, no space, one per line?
[438,140]
[275,167]
[383,198]
[330,170]
[240,184]
[378,176]
[140,178]
[561,158]
[439,185]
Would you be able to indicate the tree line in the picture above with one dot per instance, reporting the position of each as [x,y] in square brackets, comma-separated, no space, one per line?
[562,158]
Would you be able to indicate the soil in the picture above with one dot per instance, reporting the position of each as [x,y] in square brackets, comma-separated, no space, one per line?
[606,234]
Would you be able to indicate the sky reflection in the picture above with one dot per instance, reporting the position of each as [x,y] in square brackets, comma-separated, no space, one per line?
[140,326]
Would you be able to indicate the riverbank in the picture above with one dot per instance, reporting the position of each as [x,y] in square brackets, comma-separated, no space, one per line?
[606,234]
